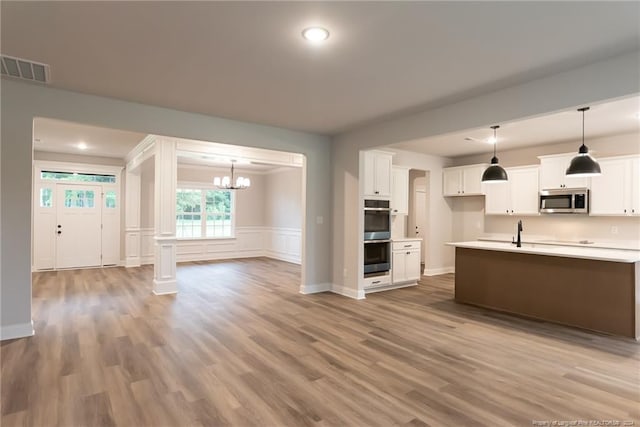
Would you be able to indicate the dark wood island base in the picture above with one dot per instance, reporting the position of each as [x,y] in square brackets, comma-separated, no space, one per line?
[602,296]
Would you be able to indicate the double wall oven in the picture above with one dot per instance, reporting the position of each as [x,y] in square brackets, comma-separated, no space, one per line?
[377,236]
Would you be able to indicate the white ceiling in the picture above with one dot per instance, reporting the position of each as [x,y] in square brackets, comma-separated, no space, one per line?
[217,162]
[63,137]
[247,60]
[612,118]
[59,136]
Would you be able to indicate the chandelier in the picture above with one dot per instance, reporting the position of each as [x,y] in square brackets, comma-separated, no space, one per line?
[226,183]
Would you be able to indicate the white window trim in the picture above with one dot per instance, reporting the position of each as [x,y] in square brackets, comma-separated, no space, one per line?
[204,186]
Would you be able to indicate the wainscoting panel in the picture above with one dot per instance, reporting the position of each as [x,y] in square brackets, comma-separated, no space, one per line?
[147,246]
[284,244]
[279,243]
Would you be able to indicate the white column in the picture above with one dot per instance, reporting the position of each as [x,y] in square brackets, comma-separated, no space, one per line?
[132,217]
[166,178]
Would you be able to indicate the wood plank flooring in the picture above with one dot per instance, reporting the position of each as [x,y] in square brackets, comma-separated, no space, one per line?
[240,346]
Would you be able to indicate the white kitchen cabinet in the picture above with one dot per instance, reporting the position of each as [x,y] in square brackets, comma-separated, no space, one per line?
[553,173]
[517,196]
[463,180]
[405,262]
[400,191]
[377,174]
[616,191]
[635,186]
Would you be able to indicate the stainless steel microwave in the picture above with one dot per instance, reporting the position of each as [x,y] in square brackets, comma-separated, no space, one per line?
[564,201]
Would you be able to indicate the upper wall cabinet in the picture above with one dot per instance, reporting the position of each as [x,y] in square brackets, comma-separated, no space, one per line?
[617,191]
[377,174]
[400,191]
[518,196]
[553,171]
[463,180]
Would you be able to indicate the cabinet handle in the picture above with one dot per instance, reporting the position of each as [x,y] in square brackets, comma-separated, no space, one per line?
[511,210]
[395,210]
[376,282]
[507,210]
[408,253]
[625,211]
[376,192]
[407,246]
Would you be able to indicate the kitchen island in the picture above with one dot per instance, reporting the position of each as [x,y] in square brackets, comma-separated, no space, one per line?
[591,288]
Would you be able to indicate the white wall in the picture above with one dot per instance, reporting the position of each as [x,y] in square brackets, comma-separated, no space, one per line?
[77,158]
[283,214]
[612,78]
[22,102]
[283,198]
[468,212]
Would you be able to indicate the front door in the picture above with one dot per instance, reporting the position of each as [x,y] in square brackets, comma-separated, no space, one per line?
[78,228]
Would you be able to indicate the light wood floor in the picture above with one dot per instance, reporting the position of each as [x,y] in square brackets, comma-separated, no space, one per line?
[240,346]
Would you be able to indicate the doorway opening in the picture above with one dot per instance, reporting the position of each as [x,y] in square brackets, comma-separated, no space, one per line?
[419,211]
[76,216]
[94,200]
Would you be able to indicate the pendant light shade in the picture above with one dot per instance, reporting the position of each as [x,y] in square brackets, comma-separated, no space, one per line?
[583,165]
[494,173]
[233,183]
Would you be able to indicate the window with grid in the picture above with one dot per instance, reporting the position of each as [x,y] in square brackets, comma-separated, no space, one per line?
[203,213]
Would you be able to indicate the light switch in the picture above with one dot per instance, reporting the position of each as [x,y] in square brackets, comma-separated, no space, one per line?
[319,220]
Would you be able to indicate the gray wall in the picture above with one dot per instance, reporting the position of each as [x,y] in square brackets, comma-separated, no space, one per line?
[22,102]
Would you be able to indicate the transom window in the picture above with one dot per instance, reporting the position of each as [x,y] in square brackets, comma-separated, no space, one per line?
[78,177]
[202,212]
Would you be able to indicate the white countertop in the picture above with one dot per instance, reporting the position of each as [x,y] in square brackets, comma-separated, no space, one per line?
[405,239]
[615,255]
[550,240]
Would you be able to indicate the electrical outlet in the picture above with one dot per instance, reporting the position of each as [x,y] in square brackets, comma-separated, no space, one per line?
[319,220]
[614,229]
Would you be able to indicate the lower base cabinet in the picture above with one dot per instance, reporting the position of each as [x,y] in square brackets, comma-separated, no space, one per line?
[405,262]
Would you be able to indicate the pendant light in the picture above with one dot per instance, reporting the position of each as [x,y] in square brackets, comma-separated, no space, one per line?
[495,172]
[583,165]
[226,183]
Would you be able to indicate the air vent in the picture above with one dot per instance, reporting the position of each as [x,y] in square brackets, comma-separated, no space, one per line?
[25,69]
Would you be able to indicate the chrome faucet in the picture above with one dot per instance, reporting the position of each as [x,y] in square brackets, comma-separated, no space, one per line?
[518,242]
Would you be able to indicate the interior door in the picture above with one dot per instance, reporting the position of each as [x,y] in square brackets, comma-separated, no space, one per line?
[78,228]
[420,219]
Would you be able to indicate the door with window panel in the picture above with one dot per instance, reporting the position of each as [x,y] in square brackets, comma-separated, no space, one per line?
[78,229]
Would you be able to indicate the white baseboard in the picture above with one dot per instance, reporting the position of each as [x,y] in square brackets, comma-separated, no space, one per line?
[294,259]
[315,288]
[348,292]
[439,271]
[19,330]
[165,287]
[132,262]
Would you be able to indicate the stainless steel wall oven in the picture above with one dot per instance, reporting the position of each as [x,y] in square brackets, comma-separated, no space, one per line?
[377,220]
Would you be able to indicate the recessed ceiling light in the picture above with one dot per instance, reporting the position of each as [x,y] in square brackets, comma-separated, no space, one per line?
[82,145]
[315,34]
